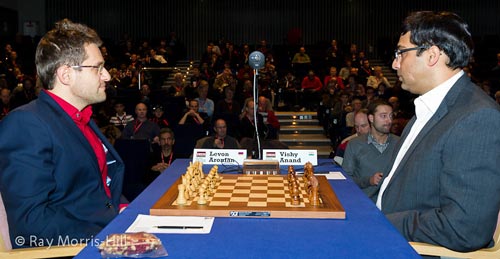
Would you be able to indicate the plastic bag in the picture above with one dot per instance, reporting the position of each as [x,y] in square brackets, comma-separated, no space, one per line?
[134,245]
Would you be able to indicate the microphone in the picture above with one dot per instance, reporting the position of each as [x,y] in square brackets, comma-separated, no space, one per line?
[256,60]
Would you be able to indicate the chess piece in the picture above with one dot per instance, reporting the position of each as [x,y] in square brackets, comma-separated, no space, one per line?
[181,199]
[187,194]
[202,196]
[313,191]
[295,195]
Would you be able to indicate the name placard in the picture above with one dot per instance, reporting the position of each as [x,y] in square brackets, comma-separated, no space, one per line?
[291,156]
[220,156]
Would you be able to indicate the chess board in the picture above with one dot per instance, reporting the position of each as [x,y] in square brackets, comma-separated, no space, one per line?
[253,196]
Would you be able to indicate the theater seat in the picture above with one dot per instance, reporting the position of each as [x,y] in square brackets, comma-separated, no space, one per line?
[7,252]
[486,253]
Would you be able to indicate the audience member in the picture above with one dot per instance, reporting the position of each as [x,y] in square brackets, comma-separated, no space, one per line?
[159,117]
[270,120]
[177,89]
[349,118]
[206,105]
[24,93]
[222,80]
[361,126]
[345,71]
[72,174]
[365,71]
[367,156]
[247,122]
[163,154]
[228,105]
[193,117]
[121,118]
[141,127]
[5,103]
[291,87]
[220,140]
[301,63]
[311,86]
[334,55]
[334,77]
[377,79]
[443,183]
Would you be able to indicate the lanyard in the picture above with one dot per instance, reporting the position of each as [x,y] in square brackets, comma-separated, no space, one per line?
[137,126]
[169,160]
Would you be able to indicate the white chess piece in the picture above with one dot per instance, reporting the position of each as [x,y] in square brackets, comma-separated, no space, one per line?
[181,199]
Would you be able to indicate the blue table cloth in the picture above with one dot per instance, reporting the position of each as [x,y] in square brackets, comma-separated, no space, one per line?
[365,233]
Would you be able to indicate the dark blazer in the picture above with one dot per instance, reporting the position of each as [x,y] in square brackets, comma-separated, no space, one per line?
[49,175]
[446,190]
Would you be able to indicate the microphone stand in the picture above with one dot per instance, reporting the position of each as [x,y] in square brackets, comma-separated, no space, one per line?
[255,107]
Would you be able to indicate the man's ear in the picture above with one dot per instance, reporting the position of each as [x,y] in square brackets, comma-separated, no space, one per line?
[370,118]
[434,55]
[64,74]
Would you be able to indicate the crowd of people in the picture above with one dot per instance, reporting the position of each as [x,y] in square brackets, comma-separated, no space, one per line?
[334,85]
[425,178]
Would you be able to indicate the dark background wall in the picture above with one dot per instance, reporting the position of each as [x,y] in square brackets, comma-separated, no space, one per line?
[373,25]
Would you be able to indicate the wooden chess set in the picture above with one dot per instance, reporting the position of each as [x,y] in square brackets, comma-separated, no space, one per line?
[246,195]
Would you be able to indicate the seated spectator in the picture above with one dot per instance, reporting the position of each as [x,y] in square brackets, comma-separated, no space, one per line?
[163,154]
[349,118]
[290,86]
[5,104]
[361,126]
[367,156]
[24,93]
[377,79]
[301,62]
[248,132]
[220,140]
[121,118]
[345,70]
[334,77]
[193,117]
[141,127]
[229,109]
[159,117]
[177,89]
[247,123]
[222,80]
[365,71]
[311,86]
[206,105]
[370,96]
[270,119]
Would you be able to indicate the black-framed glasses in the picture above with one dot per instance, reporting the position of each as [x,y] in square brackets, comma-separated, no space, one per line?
[398,52]
[98,67]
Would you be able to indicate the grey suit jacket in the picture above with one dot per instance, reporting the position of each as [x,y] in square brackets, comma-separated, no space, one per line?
[446,190]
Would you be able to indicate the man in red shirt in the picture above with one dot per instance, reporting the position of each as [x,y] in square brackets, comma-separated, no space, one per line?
[60,178]
[311,86]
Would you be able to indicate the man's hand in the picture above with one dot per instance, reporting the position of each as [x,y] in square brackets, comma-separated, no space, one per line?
[218,143]
[376,177]
[160,167]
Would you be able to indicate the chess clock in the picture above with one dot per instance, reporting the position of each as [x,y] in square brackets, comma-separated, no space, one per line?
[261,167]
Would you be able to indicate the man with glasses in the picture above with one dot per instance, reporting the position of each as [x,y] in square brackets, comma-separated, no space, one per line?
[443,183]
[59,176]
